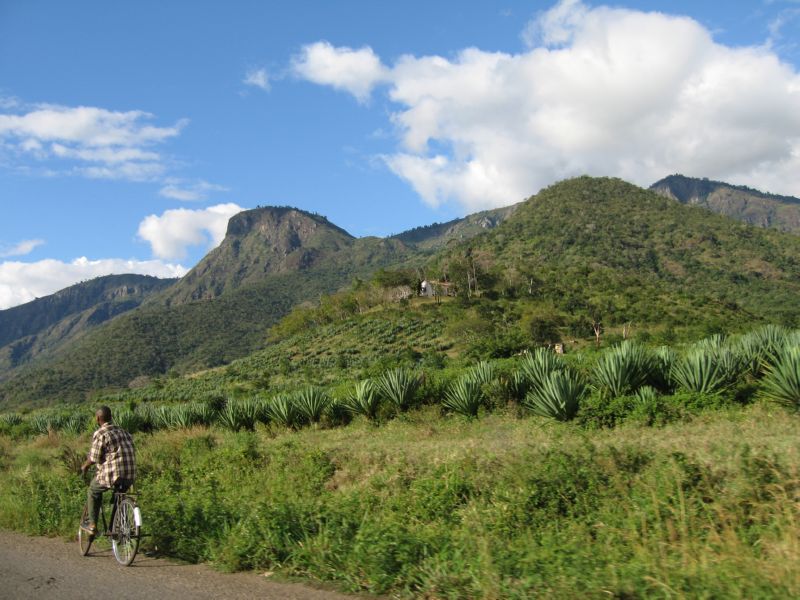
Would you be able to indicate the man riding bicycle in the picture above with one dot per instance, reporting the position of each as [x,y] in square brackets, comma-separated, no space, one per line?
[113,453]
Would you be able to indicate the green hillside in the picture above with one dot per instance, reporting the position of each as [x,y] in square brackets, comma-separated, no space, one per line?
[583,253]
[611,251]
[46,324]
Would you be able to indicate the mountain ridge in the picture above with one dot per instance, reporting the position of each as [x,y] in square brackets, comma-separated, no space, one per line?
[740,202]
[581,249]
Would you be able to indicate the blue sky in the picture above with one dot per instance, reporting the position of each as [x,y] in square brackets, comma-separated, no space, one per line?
[130,132]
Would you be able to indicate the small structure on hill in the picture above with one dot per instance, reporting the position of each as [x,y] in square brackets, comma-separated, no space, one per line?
[426,289]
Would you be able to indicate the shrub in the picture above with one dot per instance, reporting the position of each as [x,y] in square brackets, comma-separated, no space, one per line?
[623,369]
[760,347]
[781,383]
[706,369]
[241,414]
[558,396]
[537,367]
[464,397]
[482,373]
[398,387]
[363,399]
[311,403]
[282,410]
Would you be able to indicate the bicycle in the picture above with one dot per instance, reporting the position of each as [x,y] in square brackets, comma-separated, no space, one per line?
[125,532]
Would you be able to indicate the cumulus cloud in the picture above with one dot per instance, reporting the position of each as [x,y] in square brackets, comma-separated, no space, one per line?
[173,232]
[21,249]
[353,71]
[600,91]
[97,142]
[258,78]
[22,282]
[189,191]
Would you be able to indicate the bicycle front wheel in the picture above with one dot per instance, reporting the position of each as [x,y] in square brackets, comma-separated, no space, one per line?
[125,532]
[84,537]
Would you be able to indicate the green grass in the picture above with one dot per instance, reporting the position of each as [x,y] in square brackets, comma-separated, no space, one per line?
[498,507]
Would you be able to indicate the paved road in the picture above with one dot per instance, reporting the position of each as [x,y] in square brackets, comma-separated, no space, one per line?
[48,568]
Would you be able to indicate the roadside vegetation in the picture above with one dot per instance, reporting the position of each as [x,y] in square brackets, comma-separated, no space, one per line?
[631,471]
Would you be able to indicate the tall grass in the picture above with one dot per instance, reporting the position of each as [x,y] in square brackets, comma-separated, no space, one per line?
[498,507]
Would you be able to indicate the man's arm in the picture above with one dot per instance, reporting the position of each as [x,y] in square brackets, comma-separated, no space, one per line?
[95,453]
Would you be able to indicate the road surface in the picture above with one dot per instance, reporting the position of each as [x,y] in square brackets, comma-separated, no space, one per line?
[50,568]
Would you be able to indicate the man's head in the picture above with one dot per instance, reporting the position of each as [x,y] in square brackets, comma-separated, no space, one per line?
[103,415]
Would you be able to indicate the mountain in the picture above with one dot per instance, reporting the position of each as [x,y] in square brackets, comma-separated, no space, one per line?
[47,324]
[438,235]
[270,260]
[258,243]
[583,250]
[604,246]
[580,252]
[735,201]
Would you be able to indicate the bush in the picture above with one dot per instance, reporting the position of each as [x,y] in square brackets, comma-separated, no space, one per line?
[398,387]
[558,397]
[782,381]
[464,397]
[363,400]
[623,369]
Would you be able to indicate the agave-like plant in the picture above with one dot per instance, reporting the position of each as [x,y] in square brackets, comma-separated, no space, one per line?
[760,347]
[311,403]
[75,424]
[162,417]
[127,419]
[700,371]
[623,369]
[363,399]
[646,394]
[712,342]
[518,385]
[282,410]
[464,397]
[42,423]
[398,387]
[482,373]
[558,397]
[664,358]
[240,414]
[11,419]
[538,366]
[781,383]
[203,413]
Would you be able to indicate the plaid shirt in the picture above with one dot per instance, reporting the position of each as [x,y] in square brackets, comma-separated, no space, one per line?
[112,451]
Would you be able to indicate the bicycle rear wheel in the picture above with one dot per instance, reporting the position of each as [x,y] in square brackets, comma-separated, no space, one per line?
[85,539]
[125,532]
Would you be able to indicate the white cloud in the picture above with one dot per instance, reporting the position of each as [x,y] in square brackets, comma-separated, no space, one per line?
[189,191]
[602,91]
[22,282]
[99,143]
[353,71]
[21,249]
[258,78]
[173,232]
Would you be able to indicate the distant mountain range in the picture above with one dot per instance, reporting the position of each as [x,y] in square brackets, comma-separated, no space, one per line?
[580,248]
[735,201]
